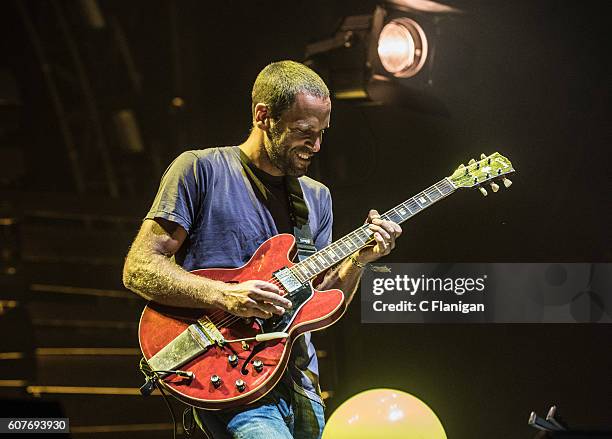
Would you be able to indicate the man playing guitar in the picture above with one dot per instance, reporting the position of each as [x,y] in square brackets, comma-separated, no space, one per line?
[215,207]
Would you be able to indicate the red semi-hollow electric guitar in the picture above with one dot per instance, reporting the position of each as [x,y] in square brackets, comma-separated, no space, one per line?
[215,360]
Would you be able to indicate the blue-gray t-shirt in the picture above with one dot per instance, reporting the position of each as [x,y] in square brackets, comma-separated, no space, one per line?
[208,193]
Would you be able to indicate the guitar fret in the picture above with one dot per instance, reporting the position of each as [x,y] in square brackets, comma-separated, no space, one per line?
[305,277]
[360,238]
[413,206]
[298,273]
[339,256]
[447,187]
[317,264]
[404,210]
[345,250]
[311,265]
[421,200]
[433,196]
[306,269]
[330,259]
[350,238]
[395,216]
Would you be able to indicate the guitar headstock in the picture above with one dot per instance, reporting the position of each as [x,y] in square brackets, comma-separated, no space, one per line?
[488,169]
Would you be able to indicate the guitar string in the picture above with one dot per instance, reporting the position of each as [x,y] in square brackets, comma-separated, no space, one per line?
[220,313]
[230,319]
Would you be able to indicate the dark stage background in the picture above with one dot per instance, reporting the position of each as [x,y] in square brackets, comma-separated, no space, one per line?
[530,79]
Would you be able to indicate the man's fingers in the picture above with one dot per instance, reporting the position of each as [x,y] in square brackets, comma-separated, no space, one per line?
[270,309]
[256,312]
[372,214]
[267,286]
[381,241]
[380,230]
[265,296]
[398,229]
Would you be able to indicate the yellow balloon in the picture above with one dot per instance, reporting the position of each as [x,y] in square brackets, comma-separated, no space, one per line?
[384,413]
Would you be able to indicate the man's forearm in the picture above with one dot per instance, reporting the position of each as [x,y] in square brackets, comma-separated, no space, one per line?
[345,277]
[156,277]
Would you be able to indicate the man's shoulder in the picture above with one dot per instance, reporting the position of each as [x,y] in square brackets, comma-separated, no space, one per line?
[316,187]
[210,154]
[207,159]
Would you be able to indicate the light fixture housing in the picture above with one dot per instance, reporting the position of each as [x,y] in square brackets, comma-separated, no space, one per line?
[382,57]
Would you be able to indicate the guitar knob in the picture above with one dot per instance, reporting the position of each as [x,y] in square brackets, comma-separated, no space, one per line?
[483,191]
[233,360]
[240,385]
[216,381]
[507,182]
[258,365]
[495,187]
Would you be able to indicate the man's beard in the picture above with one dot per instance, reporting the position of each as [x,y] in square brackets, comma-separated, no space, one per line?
[281,156]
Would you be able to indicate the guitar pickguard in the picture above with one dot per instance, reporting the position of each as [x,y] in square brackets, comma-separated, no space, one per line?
[281,323]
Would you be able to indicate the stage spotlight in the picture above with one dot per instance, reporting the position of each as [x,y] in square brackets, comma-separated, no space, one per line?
[402,47]
[386,56]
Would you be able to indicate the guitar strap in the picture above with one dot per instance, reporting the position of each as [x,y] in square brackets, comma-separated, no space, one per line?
[298,210]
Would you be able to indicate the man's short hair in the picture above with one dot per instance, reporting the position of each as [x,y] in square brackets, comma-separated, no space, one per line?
[279,83]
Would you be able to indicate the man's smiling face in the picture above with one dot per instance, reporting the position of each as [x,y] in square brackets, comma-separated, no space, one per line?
[296,137]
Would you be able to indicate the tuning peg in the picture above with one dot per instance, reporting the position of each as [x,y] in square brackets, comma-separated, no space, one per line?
[507,182]
[483,191]
[495,187]
[471,162]
[483,156]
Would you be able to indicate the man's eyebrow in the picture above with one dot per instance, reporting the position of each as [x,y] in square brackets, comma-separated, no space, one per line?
[308,127]
[304,127]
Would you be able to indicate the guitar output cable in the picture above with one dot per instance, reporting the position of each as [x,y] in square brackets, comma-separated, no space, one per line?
[152,380]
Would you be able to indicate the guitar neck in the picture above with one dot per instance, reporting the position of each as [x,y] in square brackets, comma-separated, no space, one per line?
[339,250]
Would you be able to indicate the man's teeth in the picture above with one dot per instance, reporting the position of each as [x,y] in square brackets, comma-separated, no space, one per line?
[303,156]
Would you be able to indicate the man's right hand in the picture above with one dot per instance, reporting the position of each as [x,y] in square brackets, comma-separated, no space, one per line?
[253,298]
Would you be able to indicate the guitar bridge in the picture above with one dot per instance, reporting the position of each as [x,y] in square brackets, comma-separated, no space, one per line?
[210,331]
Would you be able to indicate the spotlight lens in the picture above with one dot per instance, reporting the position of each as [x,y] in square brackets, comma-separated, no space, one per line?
[395,48]
[402,47]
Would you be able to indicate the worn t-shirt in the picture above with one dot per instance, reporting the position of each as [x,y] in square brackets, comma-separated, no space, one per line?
[208,193]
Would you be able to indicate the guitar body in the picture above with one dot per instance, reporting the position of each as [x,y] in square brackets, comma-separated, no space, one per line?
[312,310]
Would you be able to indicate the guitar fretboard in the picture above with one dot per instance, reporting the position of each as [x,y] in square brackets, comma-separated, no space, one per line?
[359,238]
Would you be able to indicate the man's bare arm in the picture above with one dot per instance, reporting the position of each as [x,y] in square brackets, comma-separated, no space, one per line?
[150,272]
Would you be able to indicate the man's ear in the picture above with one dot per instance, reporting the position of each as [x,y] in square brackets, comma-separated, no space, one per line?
[262,117]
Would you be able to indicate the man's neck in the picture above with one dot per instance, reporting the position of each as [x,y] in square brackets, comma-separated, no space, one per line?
[255,150]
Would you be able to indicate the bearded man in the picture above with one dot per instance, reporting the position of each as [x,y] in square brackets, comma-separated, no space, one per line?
[216,206]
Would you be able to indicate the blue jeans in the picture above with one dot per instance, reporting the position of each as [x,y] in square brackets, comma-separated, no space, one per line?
[281,414]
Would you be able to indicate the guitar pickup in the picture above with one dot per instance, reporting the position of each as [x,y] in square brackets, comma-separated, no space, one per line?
[287,279]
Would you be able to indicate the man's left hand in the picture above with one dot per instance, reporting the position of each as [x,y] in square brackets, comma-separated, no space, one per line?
[385,234]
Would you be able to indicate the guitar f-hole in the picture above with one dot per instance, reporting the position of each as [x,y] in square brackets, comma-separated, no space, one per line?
[258,347]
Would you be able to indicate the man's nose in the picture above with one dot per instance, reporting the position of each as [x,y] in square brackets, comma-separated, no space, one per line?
[317,145]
